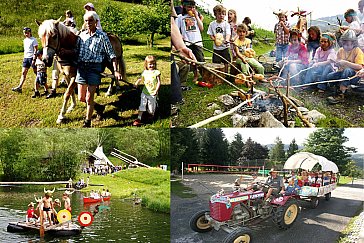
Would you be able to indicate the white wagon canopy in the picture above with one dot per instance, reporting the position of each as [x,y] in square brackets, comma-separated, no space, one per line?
[307,161]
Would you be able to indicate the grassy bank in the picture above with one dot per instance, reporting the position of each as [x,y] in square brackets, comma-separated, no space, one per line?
[152,185]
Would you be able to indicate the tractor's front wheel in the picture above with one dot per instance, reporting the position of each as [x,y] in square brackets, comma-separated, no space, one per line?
[242,235]
[199,223]
[285,216]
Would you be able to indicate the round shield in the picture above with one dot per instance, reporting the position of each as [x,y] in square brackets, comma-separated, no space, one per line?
[63,216]
[85,219]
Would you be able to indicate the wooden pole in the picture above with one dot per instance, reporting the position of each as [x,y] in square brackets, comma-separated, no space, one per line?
[41,228]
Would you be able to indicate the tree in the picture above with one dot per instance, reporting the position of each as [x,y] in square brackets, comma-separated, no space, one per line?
[292,149]
[150,18]
[277,153]
[215,147]
[253,150]
[235,148]
[329,142]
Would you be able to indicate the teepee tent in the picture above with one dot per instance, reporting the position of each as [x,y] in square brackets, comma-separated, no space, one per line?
[101,158]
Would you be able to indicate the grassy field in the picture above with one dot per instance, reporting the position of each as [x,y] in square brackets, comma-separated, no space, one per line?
[20,110]
[152,185]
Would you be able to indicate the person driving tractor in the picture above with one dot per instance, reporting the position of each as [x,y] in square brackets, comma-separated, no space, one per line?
[275,183]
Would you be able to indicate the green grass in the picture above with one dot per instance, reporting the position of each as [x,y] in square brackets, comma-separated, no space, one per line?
[344,180]
[152,185]
[180,190]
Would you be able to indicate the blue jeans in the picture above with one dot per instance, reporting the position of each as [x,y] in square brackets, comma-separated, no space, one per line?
[347,73]
[281,51]
[318,74]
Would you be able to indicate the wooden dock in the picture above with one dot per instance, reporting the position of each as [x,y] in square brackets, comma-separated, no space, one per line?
[33,182]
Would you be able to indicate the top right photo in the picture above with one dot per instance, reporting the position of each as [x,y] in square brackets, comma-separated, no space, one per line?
[267,63]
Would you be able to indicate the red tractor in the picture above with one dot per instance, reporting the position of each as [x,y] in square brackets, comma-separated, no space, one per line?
[233,211]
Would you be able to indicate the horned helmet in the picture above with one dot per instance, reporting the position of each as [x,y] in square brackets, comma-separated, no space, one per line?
[49,192]
[68,193]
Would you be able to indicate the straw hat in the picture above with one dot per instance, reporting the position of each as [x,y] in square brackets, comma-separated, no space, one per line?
[273,170]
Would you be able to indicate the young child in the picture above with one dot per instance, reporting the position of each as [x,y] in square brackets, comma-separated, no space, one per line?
[297,58]
[292,187]
[69,19]
[41,78]
[251,32]
[31,217]
[350,59]
[47,206]
[151,78]
[219,31]
[241,44]
[313,40]
[281,30]
[233,27]
[191,27]
[30,50]
[323,61]
[67,200]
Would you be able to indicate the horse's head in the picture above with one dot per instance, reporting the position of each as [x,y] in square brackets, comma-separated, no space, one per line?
[50,32]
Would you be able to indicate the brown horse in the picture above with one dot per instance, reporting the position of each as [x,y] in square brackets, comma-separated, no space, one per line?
[58,39]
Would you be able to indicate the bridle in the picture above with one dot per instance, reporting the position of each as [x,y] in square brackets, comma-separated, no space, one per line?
[56,49]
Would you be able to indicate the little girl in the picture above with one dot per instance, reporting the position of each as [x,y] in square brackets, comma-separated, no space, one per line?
[151,78]
[241,44]
[313,41]
[297,57]
[350,59]
[233,26]
[292,187]
[323,61]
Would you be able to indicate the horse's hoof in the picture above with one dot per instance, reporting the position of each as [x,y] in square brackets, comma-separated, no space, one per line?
[59,120]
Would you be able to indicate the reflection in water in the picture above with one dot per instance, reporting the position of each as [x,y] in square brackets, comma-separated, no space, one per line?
[124,222]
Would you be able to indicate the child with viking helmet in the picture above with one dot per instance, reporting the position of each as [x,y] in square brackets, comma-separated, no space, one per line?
[47,205]
[281,30]
[350,59]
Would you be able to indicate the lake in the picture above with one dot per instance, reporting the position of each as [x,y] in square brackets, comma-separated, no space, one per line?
[123,222]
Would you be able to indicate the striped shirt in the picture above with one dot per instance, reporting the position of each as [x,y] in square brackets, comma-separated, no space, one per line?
[94,48]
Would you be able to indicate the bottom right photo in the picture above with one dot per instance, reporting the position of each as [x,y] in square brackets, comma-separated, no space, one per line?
[267,185]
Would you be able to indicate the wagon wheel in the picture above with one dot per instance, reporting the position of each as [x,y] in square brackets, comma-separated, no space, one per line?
[327,196]
[241,235]
[285,216]
[199,223]
[314,202]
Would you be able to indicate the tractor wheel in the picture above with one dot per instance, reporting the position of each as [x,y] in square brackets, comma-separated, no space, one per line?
[285,216]
[314,202]
[241,235]
[199,223]
[327,196]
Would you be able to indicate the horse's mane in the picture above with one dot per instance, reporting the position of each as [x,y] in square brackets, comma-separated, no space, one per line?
[48,27]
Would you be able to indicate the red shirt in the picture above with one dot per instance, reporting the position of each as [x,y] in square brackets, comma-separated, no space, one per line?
[30,212]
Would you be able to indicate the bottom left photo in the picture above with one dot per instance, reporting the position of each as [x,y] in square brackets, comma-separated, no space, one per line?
[84,185]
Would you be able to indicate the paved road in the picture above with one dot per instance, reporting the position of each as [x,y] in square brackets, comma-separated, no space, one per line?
[322,224]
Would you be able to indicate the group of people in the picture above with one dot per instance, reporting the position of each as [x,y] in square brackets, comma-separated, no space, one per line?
[314,59]
[93,48]
[306,56]
[47,207]
[294,183]
[97,194]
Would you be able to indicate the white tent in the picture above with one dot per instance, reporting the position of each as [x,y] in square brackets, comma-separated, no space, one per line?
[307,161]
[101,158]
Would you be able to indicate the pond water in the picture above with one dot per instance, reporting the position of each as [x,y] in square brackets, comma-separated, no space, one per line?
[123,222]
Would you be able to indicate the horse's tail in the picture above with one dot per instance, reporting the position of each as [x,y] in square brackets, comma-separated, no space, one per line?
[118,49]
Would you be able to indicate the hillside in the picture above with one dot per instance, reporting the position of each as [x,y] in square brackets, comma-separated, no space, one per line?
[359,159]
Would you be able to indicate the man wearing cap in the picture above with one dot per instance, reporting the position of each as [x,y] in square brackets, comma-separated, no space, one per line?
[30,50]
[275,182]
[90,7]
[93,46]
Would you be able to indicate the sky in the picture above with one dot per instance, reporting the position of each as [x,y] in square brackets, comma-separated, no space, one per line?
[261,11]
[268,135]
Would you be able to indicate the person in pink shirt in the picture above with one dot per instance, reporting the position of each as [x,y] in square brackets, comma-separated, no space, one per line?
[297,57]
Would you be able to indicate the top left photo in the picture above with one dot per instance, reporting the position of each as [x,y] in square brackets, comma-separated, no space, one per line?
[85,64]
